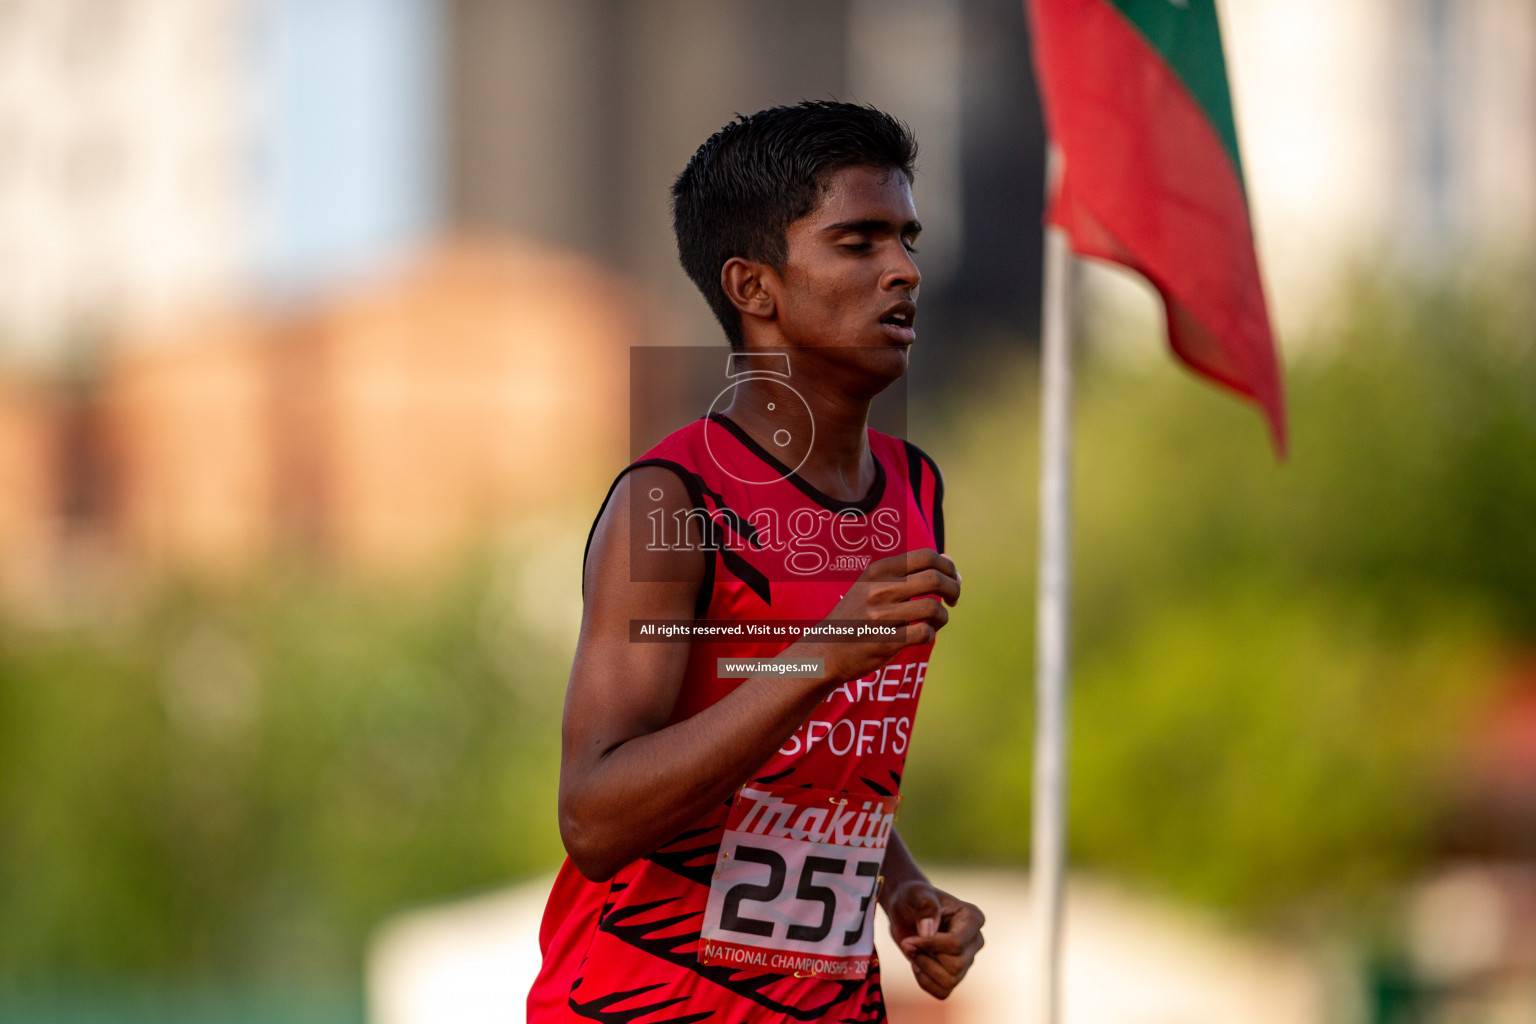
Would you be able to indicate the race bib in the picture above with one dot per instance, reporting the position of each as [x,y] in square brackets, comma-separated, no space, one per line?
[795,881]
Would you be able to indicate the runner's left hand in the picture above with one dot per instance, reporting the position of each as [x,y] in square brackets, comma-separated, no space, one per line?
[939,934]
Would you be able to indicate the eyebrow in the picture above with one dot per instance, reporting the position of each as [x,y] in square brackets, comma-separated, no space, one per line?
[873,225]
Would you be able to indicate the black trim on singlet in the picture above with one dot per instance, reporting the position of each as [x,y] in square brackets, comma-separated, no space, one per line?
[695,488]
[916,460]
[651,928]
[866,504]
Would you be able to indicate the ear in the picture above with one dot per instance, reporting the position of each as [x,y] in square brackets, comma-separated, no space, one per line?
[752,287]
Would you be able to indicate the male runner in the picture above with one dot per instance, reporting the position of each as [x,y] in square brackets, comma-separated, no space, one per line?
[727,835]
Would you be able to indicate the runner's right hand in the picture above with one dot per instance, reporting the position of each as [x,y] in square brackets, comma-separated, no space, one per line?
[908,591]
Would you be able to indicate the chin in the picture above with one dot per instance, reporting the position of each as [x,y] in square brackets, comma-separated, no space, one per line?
[863,370]
[883,366]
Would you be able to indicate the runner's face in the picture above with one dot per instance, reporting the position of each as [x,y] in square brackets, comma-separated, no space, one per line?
[849,281]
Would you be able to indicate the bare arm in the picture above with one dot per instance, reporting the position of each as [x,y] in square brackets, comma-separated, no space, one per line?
[628,780]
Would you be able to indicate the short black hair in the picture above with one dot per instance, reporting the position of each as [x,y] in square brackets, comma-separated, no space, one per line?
[753,178]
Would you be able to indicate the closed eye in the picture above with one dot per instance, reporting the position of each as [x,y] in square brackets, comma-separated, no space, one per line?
[858,237]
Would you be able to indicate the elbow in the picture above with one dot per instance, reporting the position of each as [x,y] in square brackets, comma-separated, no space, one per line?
[590,849]
[590,860]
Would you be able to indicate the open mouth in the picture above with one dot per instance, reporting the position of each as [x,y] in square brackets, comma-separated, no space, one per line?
[901,316]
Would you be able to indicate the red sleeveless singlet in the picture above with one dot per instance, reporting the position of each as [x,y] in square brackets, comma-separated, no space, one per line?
[763,910]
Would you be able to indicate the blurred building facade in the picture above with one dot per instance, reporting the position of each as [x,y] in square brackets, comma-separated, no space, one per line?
[160,155]
[387,428]
[1384,135]
[165,156]
[121,178]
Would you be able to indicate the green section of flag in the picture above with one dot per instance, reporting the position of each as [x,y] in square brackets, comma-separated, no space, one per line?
[1187,35]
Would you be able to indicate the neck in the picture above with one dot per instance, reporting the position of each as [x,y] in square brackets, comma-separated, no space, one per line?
[825,434]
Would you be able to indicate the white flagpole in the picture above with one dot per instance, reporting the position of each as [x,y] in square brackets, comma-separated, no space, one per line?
[1052,618]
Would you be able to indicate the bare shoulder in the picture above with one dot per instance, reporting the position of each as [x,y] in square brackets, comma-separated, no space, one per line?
[633,542]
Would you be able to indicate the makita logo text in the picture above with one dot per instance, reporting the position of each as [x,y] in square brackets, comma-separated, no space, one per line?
[849,822]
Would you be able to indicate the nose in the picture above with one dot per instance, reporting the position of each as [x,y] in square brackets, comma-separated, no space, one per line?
[902,273]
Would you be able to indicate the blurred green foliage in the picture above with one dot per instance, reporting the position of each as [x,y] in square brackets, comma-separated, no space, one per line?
[239,786]
[1275,669]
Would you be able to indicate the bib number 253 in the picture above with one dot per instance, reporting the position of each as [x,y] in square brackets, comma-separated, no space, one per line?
[793,886]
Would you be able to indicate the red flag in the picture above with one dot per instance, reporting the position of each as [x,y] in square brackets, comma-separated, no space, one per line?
[1136,100]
